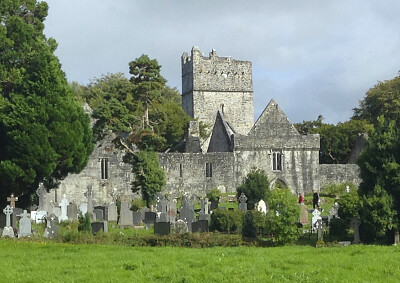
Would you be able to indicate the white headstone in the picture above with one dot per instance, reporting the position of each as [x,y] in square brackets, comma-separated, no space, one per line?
[261,206]
[64,206]
[316,215]
[83,208]
[40,216]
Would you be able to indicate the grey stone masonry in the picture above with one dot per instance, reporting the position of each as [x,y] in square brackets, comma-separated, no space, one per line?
[217,83]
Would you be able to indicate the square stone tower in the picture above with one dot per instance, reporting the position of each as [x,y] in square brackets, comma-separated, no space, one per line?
[217,83]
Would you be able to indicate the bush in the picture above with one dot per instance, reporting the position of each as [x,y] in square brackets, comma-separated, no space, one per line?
[213,195]
[249,227]
[225,221]
[84,223]
[137,204]
[338,227]
[282,217]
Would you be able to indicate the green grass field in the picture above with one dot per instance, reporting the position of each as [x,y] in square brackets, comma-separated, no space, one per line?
[28,261]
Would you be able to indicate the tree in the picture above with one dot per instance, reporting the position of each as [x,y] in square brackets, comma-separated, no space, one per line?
[380,173]
[382,99]
[149,176]
[337,141]
[147,80]
[282,217]
[44,133]
[255,186]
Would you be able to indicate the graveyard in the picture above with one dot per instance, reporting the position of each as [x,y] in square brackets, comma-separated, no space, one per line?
[175,243]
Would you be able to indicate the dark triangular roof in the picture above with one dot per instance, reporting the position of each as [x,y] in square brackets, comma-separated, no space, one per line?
[273,122]
[221,136]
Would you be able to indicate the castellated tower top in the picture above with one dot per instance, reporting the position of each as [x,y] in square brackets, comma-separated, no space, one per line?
[215,73]
[211,84]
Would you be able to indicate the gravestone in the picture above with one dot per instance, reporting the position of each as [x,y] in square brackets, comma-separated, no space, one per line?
[64,206]
[44,204]
[89,195]
[261,206]
[303,213]
[15,216]
[355,222]
[333,212]
[51,230]
[112,213]
[56,210]
[83,208]
[162,228]
[40,216]
[72,212]
[204,215]
[137,218]
[25,225]
[319,225]
[8,231]
[99,214]
[180,227]
[200,226]
[242,202]
[11,199]
[126,215]
[150,218]
[143,211]
[97,227]
[316,215]
[187,212]
[172,211]
[213,205]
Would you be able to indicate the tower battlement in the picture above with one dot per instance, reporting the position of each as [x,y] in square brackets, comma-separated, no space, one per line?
[217,83]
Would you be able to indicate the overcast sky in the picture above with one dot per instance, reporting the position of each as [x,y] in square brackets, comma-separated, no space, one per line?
[312,57]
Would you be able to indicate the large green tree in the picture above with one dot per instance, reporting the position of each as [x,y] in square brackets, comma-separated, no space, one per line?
[381,99]
[44,133]
[255,186]
[380,173]
[150,178]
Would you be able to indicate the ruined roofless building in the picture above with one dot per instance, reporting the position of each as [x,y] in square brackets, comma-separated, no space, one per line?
[218,91]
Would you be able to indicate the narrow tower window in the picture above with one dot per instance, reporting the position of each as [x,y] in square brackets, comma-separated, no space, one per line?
[104,168]
[209,170]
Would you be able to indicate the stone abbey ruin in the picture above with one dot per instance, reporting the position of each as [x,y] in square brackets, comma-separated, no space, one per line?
[217,91]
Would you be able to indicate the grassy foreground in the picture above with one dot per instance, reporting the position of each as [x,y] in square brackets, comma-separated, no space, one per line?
[26,261]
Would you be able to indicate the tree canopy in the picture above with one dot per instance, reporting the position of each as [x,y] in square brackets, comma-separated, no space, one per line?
[44,132]
[337,141]
[255,186]
[383,99]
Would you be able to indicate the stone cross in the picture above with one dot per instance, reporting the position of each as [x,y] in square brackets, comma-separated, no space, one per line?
[204,206]
[320,228]
[41,192]
[89,195]
[64,205]
[12,200]
[242,202]
[355,222]
[8,211]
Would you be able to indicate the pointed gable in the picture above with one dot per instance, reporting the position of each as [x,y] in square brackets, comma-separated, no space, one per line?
[221,137]
[273,122]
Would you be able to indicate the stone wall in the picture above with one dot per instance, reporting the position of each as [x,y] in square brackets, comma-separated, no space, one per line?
[339,174]
[118,177]
[186,172]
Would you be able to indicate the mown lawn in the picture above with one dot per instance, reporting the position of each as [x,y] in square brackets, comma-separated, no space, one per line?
[27,261]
